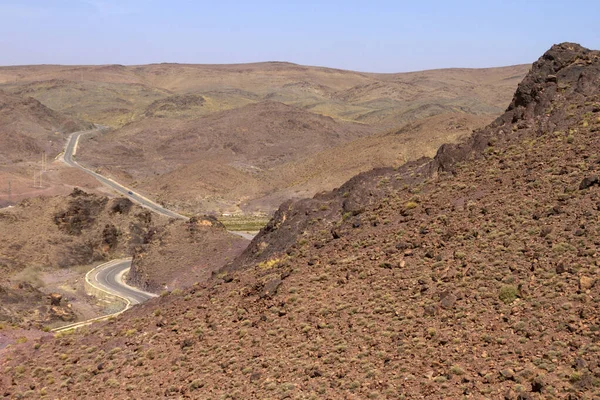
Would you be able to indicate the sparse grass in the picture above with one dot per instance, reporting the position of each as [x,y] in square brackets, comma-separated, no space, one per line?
[269,264]
[410,205]
[244,223]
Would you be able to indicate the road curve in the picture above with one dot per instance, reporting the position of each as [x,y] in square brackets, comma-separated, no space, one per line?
[69,159]
[108,278]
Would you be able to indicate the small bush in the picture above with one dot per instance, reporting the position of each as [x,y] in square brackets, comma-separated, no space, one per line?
[410,205]
[196,384]
[508,293]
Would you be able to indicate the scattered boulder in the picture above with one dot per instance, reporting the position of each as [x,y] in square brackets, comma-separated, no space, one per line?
[430,310]
[447,300]
[537,385]
[586,283]
[55,299]
[270,288]
[588,182]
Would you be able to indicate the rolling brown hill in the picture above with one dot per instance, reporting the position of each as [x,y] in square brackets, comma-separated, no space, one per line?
[219,156]
[115,95]
[469,275]
[28,128]
[164,100]
[330,168]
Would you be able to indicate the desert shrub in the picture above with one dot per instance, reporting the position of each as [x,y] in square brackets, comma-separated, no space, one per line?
[508,293]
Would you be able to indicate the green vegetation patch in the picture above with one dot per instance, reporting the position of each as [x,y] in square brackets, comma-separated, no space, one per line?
[247,223]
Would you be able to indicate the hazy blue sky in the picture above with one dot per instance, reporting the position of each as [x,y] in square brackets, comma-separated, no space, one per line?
[368,35]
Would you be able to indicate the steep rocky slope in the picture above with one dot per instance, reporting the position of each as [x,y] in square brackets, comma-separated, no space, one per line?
[183,253]
[470,275]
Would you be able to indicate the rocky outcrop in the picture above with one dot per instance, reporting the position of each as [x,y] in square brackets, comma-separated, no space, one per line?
[74,230]
[27,307]
[567,71]
[174,105]
[183,253]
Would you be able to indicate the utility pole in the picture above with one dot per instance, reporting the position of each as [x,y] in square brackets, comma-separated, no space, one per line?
[37,179]
[9,192]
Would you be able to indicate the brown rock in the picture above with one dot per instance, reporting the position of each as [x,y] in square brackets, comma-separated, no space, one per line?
[588,181]
[447,300]
[586,283]
[508,374]
[55,299]
[430,310]
[271,287]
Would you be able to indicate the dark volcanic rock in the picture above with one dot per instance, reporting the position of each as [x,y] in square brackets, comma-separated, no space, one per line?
[588,181]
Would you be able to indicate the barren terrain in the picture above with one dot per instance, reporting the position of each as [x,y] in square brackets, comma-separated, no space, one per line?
[115,95]
[469,275]
[231,138]
[47,244]
[28,130]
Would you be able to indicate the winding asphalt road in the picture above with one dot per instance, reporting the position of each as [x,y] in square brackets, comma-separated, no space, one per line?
[69,159]
[109,277]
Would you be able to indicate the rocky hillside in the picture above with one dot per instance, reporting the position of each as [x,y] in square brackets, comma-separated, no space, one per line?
[28,128]
[42,235]
[182,253]
[469,275]
[219,158]
[255,157]
[77,230]
[115,95]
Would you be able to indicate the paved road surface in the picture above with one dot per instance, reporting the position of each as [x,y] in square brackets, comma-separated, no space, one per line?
[109,277]
[69,159]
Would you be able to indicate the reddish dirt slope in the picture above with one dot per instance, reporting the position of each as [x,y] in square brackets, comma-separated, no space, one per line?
[28,128]
[183,253]
[472,275]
